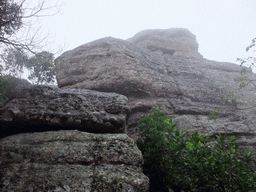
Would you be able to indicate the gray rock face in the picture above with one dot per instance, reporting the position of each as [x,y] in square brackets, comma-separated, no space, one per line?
[173,42]
[70,161]
[163,67]
[42,108]
[155,67]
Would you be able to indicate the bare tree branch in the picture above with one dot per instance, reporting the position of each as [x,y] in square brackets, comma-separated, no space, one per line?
[19,18]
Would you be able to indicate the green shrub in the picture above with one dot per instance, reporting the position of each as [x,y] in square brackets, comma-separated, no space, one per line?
[177,161]
[3,84]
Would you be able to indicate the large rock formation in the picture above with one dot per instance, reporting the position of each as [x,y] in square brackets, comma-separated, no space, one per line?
[155,67]
[41,108]
[45,144]
[41,148]
[70,161]
[164,67]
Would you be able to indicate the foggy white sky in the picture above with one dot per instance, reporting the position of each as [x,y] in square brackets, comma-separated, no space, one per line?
[223,27]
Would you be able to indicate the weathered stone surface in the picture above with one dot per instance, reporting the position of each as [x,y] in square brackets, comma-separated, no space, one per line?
[155,67]
[173,42]
[107,65]
[163,67]
[70,161]
[42,108]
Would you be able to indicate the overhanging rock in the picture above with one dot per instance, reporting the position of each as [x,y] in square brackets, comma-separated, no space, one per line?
[41,108]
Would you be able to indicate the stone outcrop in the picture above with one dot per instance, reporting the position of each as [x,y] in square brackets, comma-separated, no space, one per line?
[104,87]
[45,144]
[173,42]
[164,68]
[70,161]
[41,108]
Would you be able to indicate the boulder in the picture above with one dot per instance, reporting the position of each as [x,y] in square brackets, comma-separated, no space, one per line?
[106,65]
[38,108]
[173,42]
[164,68]
[71,160]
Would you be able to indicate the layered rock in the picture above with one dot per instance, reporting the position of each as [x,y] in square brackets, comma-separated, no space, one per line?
[70,161]
[164,68]
[42,108]
[45,144]
[155,67]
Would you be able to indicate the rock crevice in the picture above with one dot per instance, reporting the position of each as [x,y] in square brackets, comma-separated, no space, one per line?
[37,108]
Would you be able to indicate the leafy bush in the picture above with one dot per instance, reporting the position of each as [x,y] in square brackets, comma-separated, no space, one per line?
[8,85]
[177,161]
[3,84]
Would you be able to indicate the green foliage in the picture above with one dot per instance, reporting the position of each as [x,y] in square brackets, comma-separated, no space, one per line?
[3,84]
[10,19]
[21,15]
[158,148]
[15,61]
[42,68]
[249,61]
[217,165]
[216,113]
[232,98]
[251,45]
[244,80]
[177,161]
[247,65]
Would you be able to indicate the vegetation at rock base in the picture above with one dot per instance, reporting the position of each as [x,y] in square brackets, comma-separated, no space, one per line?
[177,161]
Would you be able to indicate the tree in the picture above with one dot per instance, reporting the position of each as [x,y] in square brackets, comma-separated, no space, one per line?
[10,19]
[249,61]
[15,61]
[42,68]
[253,43]
[15,16]
[247,65]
